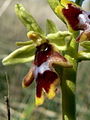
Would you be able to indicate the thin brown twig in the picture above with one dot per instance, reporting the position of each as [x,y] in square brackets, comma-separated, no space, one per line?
[7,99]
[8,107]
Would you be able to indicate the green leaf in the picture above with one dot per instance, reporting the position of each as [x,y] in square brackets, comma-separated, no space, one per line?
[53,4]
[27,19]
[60,39]
[86,45]
[51,27]
[21,55]
[84,55]
[79,2]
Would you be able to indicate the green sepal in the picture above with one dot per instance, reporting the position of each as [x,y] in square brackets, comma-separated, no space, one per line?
[27,19]
[60,39]
[86,45]
[51,27]
[53,4]
[21,55]
[84,55]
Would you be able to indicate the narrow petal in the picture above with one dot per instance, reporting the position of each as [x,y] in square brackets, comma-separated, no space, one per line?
[24,43]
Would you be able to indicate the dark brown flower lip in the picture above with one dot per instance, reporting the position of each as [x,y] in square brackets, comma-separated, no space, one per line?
[71,13]
[76,17]
[44,81]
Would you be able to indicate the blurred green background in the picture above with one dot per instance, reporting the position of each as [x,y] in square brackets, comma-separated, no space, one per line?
[22,99]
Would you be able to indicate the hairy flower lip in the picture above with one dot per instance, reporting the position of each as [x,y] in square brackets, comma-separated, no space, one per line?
[72,18]
[43,72]
[72,8]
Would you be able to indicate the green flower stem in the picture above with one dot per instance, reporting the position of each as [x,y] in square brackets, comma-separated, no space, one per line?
[69,84]
[68,94]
